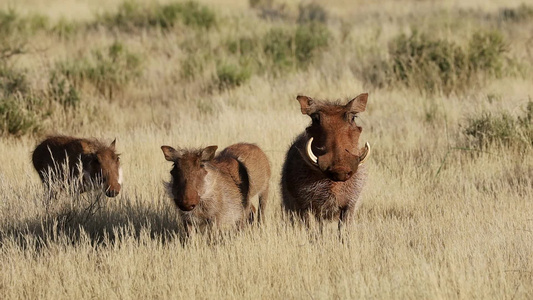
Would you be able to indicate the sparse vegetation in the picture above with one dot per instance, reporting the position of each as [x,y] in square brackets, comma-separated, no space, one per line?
[20,110]
[502,129]
[486,53]
[230,75]
[135,15]
[108,71]
[522,13]
[11,22]
[270,9]
[429,64]
[437,65]
[63,92]
[284,49]
[20,115]
[311,12]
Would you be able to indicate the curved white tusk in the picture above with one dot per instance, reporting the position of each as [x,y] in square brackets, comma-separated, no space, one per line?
[310,153]
[366,154]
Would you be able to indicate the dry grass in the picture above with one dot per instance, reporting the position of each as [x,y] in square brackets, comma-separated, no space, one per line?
[440,218]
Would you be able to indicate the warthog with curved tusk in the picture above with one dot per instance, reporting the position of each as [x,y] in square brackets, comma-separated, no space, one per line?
[323,173]
[88,162]
[217,190]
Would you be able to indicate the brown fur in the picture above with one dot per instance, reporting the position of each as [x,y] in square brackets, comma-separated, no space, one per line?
[70,158]
[217,190]
[330,189]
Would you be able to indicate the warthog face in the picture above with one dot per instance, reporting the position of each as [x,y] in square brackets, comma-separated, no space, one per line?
[104,166]
[333,136]
[188,175]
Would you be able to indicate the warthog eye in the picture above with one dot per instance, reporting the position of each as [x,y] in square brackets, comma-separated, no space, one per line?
[353,117]
[202,165]
[316,118]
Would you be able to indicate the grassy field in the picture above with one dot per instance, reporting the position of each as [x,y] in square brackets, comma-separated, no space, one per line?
[446,213]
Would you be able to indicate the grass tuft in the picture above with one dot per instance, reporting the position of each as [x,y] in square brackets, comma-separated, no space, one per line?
[312,12]
[133,15]
[231,75]
[21,112]
[435,65]
[522,13]
[503,129]
[107,70]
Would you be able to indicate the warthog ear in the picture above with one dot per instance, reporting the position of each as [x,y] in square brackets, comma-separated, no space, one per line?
[357,104]
[307,104]
[112,146]
[209,153]
[170,153]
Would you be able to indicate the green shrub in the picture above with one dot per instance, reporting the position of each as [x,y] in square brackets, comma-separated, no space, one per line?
[128,16]
[244,46]
[375,70]
[131,15]
[12,81]
[231,75]
[8,21]
[503,129]
[310,39]
[65,29]
[312,12]
[525,122]
[279,50]
[298,48]
[436,65]
[61,91]
[191,66]
[196,15]
[260,3]
[426,63]
[269,10]
[12,23]
[17,27]
[278,45]
[108,71]
[19,115]
[11,42]
[485,53]
[20,111]
[487,129]
[199,55]
[519,14]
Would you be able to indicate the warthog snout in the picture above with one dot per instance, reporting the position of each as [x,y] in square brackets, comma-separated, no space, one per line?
[336,164]
[112,191]
[186,207]
[339,173]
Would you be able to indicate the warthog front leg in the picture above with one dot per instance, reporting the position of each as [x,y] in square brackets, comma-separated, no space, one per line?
[251,214]
[263,199]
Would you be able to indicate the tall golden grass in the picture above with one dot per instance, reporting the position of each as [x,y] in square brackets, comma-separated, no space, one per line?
[439,219]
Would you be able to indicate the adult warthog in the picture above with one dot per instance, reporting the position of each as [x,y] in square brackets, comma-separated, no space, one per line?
[323,173]
[217,190]
[85,163]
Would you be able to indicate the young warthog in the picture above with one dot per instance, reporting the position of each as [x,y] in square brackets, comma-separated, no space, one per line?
[83,161]
[217,190]
[323,173]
